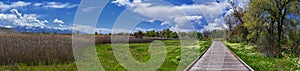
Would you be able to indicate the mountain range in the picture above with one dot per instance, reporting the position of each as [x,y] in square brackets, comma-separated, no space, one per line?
[31,29]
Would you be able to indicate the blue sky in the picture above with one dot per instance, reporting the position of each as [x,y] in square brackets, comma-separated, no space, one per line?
[44,10]
[178,15]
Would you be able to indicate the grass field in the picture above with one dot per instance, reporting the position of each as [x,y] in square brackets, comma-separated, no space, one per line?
[260,62]
[140,52]
[105,54]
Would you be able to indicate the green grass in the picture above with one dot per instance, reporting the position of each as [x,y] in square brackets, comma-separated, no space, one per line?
[260,62]
[139,52]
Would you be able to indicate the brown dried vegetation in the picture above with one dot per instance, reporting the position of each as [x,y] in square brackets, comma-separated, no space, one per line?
[35,49]
[46,49]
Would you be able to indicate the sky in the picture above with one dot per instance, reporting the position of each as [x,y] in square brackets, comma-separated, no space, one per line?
[114,16]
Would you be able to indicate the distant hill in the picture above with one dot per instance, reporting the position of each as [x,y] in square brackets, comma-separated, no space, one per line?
[8,31]
[28,29]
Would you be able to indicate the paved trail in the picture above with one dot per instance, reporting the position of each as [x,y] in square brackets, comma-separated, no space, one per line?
[218,57]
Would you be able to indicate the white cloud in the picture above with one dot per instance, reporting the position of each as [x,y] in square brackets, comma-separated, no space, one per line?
[187,19]
[178,17]
[57,21]
[37,4]
[142,29]
[88,9]
[213,9]
[92,29]
[115,30]
[16,12]
[165,23]
[170,15]
[20,4]
[122,2]
[8,17]
[8,26]
[241,5]
[150,21]
[59,5]
[217,24]
[18,19]
[4,7]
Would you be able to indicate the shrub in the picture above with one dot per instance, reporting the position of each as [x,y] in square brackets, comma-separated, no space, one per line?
[235,39]
[268,46]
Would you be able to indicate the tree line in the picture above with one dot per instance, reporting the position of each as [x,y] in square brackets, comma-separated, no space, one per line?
[166,33]
[272,25]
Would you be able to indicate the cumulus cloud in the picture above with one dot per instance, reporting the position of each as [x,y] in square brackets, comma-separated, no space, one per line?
[181,17]
[125,2]
[169,15]
[217,24]
[18,19]
[57,21]
[213,9]
[29,21]
[16,12]
[4,7]
[187,19]
[8,17]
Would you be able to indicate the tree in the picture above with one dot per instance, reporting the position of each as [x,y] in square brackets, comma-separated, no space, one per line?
[200,36]
[151,33]
[139,34]
[272,14]
[269,21]
[218,34]
[235,20]
[167,33]
[206,34]
[157,34]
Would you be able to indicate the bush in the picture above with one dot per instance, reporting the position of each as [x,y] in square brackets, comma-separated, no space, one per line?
[268,46]
[234,39]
